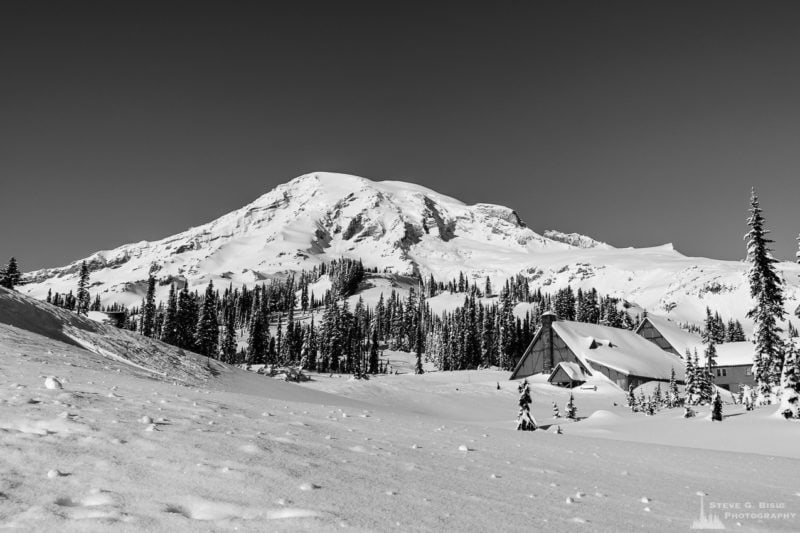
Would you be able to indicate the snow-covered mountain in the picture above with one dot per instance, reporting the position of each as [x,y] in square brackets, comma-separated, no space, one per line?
[407,228]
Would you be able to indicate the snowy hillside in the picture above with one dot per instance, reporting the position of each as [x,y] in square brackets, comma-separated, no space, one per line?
[407,229]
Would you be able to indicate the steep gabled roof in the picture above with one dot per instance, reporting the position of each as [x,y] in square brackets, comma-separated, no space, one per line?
[679,338]
[618,349]
[572,370]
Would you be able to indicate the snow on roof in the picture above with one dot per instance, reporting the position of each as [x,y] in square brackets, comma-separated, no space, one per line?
[679,338]
[573,371]
[728,354]
[734,353]
[618,349]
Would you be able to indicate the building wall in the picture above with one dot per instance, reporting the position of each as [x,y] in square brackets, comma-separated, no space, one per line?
[730,377]
[649,332]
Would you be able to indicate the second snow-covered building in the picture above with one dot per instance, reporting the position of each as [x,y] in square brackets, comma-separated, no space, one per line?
[621,355]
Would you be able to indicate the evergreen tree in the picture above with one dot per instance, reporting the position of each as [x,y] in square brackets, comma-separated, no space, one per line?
[630,401]
[556,413]
[373,351]
[525,422]
[418,366]
[227,345]
[657,396]
[83,298]
[673,389]
[790,384]
[10,275]
[257,339]
[716,408]
[570,409]
[186,318]
[169,329]
[148,316]
[207,332]
[766,290]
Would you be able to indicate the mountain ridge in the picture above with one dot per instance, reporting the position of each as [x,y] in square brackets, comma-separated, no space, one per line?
[405,229]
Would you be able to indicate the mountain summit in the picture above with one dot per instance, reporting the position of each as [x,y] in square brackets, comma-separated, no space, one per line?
[405,229]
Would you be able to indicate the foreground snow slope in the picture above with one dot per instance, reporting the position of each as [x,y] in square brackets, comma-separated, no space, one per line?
[407,229]
[121,449]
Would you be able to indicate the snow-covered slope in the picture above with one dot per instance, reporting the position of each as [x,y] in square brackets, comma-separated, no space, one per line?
[407,229]
[116,450]
[147,356]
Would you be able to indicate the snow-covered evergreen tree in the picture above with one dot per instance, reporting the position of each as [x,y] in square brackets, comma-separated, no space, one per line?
[766,289]
[716,408]
[673,393]
[790,384]
[690,390]
[657,396]
[556,413]
[570,410]
[630,400]
[525,421]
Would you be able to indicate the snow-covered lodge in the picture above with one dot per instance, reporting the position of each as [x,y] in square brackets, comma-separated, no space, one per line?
[734,359]
[571,352]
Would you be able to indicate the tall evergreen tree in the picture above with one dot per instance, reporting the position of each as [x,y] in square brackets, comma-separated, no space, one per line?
[169,329]
[418,350]
[207,333]
[227,345]
[83,298]
[766,289]
[148,317]
[373,351]
[186,318]
[257,339]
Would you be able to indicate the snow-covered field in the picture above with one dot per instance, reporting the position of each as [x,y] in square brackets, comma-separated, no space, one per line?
[122,448]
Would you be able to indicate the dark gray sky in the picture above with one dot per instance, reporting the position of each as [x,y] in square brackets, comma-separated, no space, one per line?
[636,123]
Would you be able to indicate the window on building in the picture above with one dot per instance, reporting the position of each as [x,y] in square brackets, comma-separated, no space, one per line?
[748,371]
[719,373]
[724,372]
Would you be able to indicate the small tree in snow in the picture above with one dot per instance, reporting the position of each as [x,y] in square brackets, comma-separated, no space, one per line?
[716,408]
[570,409]
[749,398]
[556,413]
[688,412]
[657,396]
[691,384]
[673,389]
[630,401]
[525,421]
[790,384]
